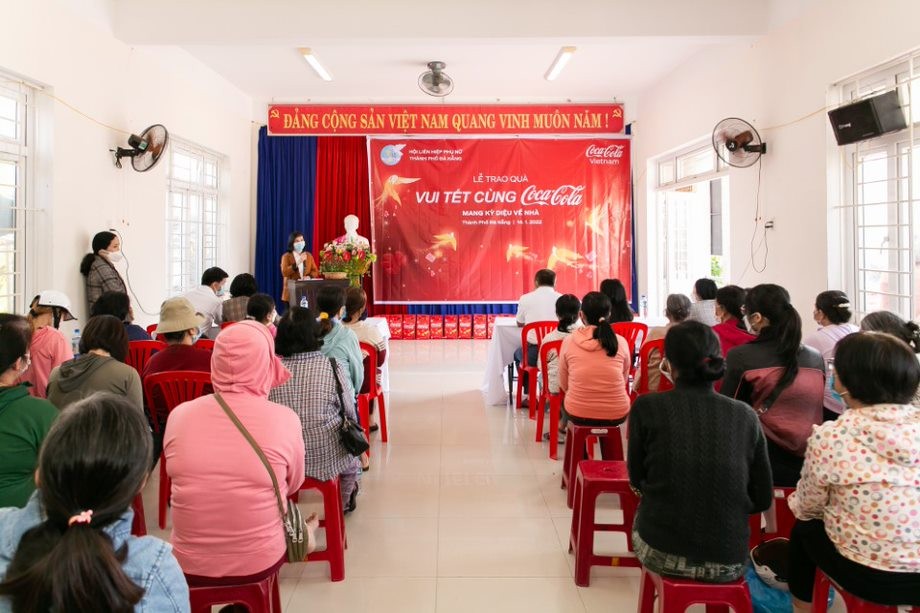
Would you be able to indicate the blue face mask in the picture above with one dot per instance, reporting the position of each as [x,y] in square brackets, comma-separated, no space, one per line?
[221,292]
[834,393]
[299,246]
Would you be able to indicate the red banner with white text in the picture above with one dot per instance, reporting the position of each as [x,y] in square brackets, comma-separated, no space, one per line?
[467,220]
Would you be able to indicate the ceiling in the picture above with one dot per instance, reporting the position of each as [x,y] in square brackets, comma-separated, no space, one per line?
[494,50]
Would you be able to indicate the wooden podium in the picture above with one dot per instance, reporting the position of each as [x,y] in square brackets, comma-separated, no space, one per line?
[309,288]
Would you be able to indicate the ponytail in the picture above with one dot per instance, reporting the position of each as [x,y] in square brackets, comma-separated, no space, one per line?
[86,263]
[325,324]
[596,308]
[606,337]
[772,302]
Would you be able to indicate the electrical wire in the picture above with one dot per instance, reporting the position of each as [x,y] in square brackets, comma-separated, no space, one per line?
[128,275]
[758,220]
[794,121]
[42,92]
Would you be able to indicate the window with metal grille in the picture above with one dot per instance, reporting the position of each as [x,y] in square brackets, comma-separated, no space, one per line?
[881,197]
[193,215]
[16,212]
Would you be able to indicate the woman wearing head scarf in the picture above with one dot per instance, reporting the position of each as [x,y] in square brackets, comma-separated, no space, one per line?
[226,525]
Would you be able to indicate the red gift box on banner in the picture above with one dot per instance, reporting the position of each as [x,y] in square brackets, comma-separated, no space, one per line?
[421,327]
[480,327]
[491,325]
[409,327]
[450,326]
[465,327]
[395,323]
[436,326]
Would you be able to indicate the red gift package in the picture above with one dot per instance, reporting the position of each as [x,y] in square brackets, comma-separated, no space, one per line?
[395,323]
[480,327]
[465,327]
[491,324]
[436,326]
[409,327]
[450,326]
[421,327]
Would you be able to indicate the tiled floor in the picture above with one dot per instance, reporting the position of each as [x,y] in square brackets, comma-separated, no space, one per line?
[460,512]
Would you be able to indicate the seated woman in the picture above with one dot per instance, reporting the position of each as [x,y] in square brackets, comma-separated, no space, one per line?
[117,304]
[100,368]
[236,536]
[593,369]
[731,329]
[692,448]
[907,331]
[49,348]
[780,377]
[311,394]
[567,308]
[242,288]
[338,341]
[355,308]
[24,419]
[677,309]
[261,308]
[70,548]
[858,503]
[703,308]
[832,313]
[620,310]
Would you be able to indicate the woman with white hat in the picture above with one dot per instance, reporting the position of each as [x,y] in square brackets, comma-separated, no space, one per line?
[49,348]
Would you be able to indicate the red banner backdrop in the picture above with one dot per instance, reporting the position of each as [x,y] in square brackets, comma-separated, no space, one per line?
[344,120]
[465,220]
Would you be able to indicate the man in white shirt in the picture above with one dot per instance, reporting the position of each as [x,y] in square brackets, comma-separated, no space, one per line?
[538,305]
[207,300]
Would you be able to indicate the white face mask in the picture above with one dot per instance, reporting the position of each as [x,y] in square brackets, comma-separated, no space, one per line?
[114,256]
[750,328]
[28,362]
[666,372]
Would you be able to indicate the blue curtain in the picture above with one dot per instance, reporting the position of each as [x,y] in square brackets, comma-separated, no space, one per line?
[286,184]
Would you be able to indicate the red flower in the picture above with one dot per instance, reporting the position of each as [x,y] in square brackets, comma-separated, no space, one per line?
[346,256]
[327,256]
[360,254]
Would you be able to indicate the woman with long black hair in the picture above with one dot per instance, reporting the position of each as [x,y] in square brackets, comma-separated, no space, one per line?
[98,268]
[780,377]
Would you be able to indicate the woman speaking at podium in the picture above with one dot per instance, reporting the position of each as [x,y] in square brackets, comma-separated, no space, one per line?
[296,263]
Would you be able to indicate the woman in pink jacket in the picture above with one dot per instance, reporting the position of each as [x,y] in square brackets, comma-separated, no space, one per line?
[593,368]
[226,522]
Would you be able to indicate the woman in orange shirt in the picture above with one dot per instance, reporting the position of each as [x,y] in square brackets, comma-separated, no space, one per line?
[593,368]
[296,263]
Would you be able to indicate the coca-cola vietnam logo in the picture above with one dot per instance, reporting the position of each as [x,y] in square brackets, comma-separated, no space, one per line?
[610,152]
[571,195]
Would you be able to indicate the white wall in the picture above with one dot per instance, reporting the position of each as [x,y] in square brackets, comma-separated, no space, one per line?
[75,54]
[781,77]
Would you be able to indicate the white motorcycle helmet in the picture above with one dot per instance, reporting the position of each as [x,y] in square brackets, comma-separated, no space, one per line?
[58,302]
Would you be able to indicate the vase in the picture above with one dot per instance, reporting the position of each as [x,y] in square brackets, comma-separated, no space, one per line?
[354,280]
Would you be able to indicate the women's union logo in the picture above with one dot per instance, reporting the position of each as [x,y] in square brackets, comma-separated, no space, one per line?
[391,154]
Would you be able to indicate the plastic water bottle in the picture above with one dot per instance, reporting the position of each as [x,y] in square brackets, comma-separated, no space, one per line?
[643,305]
[75,342]
[303,302]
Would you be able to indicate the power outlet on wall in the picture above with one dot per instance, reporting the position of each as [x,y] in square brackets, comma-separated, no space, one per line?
[769,224]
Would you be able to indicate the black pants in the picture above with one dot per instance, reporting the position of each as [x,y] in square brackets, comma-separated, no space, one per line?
[786,467]
[810,547]
[607,445]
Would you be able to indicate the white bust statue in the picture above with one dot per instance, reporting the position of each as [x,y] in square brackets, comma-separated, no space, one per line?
[351,233]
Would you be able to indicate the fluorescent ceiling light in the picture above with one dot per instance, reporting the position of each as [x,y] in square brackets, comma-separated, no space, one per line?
[562,58]
[307,54]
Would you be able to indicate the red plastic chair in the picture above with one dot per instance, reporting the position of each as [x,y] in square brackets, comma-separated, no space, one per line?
[576,443]
[176,387]
[555,400]
[779,517]
[139,523]
[140,352]
[541,329]
[373,393]
[853,604]
[593,479]
[205,343]
[261,597]
[679,594]
[633,331]
[334,523]
[152,331]
[226,324]
[644,355]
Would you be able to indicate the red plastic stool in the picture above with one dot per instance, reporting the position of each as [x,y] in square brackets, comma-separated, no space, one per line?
[334,523]
[139,523]
[854,605]
[678,594]
[576,440]
[261,597]
[593,478]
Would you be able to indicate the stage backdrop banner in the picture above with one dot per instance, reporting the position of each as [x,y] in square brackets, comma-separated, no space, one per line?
[444,119]
[469,220]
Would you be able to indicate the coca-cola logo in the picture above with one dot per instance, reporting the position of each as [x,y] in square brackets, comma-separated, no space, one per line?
[610,152]
[571,195]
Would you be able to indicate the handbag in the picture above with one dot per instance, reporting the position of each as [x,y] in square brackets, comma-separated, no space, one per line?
[787,412]
[291,520]
[351,433]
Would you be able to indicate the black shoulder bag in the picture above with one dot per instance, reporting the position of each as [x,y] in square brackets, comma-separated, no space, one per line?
[352,435]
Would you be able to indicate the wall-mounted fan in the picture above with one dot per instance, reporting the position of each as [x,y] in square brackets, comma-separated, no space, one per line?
[435,81]
[737,143]
[145,150]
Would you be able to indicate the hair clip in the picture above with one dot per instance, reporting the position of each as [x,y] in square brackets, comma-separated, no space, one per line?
[83,517]
[323,315]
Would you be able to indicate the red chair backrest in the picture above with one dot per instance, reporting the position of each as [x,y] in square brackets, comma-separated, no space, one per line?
[633,331]
[205,343]
[140,352]
[226,324]
[545,348]
[152,330]
[370,367]
[177,386]
[646,351]
[541,329]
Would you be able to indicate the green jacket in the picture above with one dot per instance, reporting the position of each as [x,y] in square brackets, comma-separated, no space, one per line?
[24,422]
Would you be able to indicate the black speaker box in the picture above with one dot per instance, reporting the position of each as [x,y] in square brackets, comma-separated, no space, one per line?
[867,118]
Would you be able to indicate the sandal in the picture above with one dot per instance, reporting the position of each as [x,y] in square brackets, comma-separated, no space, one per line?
[365,462]
[311,523]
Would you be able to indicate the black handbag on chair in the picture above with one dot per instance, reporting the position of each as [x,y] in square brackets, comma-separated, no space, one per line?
[352,434]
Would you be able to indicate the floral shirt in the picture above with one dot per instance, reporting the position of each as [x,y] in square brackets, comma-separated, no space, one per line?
[862,477]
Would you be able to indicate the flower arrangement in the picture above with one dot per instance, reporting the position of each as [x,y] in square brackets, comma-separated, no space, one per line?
[353,259]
